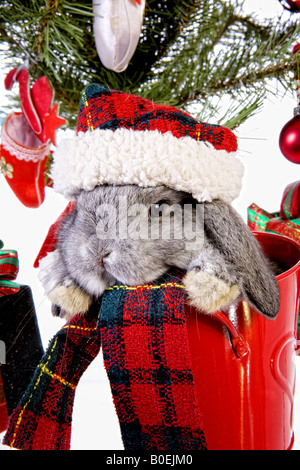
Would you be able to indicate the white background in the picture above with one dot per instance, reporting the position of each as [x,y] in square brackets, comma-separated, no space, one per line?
[95,425]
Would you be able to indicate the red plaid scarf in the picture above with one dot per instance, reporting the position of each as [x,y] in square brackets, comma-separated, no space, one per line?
[145,347]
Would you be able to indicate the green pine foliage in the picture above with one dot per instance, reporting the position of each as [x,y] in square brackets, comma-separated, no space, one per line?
[204,56]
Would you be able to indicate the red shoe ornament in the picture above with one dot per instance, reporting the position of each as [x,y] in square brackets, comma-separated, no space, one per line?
[27,136]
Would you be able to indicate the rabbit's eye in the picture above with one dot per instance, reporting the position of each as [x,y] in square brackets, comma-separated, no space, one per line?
[156,210]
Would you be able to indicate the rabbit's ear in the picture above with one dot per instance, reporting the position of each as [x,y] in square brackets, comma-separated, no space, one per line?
[229,234]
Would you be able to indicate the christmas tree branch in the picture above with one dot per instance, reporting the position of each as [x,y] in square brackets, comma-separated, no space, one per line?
[48,14]
[237,58]
[246,80]
[189,52]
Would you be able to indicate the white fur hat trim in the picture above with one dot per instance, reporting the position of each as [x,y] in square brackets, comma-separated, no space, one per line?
[145,158]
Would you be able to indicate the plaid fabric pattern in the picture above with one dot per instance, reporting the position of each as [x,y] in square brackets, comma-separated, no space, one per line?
[101,108]
[42,420]
[146,354]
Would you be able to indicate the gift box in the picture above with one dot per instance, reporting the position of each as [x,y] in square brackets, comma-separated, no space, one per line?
[286,221]
[259,220]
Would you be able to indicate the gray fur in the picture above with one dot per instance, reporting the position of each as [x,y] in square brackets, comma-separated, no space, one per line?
[244,262]
[227,250]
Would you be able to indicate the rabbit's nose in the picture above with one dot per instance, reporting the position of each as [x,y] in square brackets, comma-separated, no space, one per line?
[103,258]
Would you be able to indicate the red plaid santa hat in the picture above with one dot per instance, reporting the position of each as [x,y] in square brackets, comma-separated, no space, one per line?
[125,139]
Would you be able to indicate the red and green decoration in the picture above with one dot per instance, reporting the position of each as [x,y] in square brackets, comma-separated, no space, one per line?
[9,268]
[27,137]
[286,221]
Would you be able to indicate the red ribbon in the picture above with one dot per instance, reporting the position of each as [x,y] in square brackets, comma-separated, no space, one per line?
[36,103]
[290,203]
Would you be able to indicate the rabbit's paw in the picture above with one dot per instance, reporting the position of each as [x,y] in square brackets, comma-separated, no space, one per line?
[208,293]
[70,299]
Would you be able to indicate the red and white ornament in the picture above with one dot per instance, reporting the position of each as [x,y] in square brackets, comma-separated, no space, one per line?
[292,5]
[289,139]
[36,103]
[27,136]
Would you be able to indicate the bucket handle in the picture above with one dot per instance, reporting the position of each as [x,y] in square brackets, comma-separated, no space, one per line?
[239,345]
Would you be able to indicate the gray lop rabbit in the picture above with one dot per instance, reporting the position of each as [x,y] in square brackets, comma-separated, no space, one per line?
[153,189]
[210,241]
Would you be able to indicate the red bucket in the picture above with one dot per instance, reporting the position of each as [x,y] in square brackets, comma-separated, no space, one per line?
[244,364]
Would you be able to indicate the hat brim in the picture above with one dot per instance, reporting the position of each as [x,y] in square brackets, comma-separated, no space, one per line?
[145,158]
